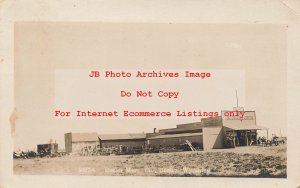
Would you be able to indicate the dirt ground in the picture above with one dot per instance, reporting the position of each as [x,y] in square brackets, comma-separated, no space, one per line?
[254,161]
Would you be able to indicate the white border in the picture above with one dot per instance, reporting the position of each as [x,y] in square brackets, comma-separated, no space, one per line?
[162,11]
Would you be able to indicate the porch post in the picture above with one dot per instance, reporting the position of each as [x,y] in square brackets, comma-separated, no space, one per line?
[246,136]
[233,133]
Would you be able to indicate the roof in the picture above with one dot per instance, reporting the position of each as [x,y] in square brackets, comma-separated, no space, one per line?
[244,127]
[84,137]
[128,136]
[205,122]
[194,124]
[47,144]
[175,135]
[148,135]
[181,129]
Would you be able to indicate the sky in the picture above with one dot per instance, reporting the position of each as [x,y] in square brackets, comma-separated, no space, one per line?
[52,59]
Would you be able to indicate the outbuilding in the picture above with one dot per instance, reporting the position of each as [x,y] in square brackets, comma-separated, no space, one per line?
[74,142]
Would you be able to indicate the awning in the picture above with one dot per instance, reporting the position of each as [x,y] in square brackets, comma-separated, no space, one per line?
[244,127]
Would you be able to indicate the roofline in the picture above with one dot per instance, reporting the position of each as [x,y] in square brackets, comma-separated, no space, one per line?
[174,135]
[238,110]
[85,141]
[123,138]
[255,127]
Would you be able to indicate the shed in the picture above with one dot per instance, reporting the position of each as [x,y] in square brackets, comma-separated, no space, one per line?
[74,142]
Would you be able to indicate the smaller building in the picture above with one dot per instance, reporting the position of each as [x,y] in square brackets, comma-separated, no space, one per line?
[74,142]
[47,148]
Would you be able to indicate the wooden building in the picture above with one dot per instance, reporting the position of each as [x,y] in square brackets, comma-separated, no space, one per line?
[74,142]
[231,129]
[175,139]
[130,139]
[47,148]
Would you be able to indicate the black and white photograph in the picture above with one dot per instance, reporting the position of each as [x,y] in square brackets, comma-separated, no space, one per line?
[146,94]
[196,116]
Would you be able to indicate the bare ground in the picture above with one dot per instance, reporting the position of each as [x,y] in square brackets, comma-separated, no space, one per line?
[239,162]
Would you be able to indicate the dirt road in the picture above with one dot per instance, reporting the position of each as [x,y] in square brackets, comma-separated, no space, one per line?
[244,162]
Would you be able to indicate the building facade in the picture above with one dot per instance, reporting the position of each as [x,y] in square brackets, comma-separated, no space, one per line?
[175,139]
[74,142]
[231,129]
[130,140]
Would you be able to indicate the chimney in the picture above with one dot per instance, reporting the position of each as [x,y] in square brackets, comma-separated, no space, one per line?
[154,130]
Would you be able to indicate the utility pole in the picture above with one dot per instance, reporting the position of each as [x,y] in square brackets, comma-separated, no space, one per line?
[237,99]
[280,132]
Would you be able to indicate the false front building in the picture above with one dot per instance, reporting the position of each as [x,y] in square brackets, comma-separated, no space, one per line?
[231,129]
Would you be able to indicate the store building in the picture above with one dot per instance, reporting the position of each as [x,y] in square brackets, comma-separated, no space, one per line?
[231,129]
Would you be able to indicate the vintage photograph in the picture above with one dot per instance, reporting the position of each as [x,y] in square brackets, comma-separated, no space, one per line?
[232,123]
